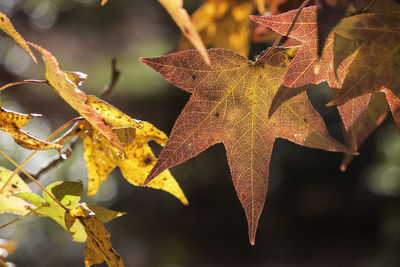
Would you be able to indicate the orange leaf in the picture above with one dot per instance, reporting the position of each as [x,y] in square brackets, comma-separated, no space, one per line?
[67,85]
[229,104]
[7,27]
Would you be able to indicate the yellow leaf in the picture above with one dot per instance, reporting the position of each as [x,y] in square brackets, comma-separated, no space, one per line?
[102,157]
[182,19]
[7,27]
[67,86]
[12,122]
[223,23]
[98,246]
[8,202]
[103,2]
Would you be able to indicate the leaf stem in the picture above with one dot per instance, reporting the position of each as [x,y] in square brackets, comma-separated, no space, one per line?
[367,5]
[115,73]
[20,218]
[269,50]
[21,82]
[34,180]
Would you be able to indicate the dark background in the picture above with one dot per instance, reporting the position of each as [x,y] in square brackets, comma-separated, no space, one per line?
[314,214]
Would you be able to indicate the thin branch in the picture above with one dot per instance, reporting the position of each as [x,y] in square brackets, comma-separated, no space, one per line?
[57,159]
[367,5]
[269,50]
[21,82]
[115,73]
[20,218]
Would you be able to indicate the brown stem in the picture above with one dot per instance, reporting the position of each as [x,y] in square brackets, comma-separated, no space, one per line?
[367,5]
[21,217]
[57,159]
[115,73]
[21,82]
[269,50]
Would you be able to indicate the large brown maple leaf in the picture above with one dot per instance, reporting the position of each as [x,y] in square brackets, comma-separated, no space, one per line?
[229,104]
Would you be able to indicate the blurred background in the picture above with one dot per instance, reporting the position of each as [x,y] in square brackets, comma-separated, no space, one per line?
[314,214]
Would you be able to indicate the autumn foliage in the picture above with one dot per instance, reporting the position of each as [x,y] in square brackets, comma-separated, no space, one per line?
[352,45]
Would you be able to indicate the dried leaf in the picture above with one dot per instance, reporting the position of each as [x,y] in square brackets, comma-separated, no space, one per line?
[102,157]
[98,246]
[223,23]
[182,19]
[12,122]
[7,27]
[229,104]
[8,202]
[67,85]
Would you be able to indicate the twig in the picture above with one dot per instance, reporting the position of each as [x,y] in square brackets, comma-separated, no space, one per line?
[21,82]
[56,160]
[367,5]
[21,217]
[268,51]
[115,73]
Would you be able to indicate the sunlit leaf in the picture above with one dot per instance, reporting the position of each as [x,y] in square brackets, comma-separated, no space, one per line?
[8,202]
[7,27]
[102,157]
[98,245]
[67,85]
[12,122]
[69,194]
[229,104]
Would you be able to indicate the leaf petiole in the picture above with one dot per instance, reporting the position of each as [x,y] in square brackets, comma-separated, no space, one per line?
[269,50]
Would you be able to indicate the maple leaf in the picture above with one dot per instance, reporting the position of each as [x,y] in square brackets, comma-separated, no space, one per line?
[102,157]
[229,104]
[67,85]
[12,122]
[7,27]
[182,19]
[8,202]
[223,23]
[329,13]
